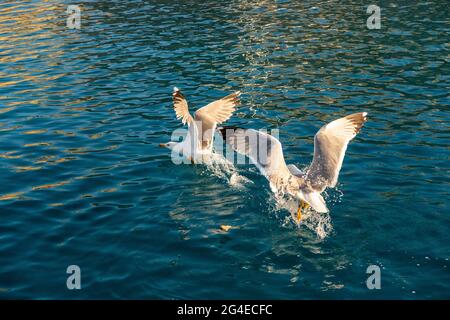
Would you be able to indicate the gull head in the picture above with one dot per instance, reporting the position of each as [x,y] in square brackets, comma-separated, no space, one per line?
[169,145]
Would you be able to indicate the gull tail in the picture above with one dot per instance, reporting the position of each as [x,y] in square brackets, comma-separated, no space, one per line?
[316,201]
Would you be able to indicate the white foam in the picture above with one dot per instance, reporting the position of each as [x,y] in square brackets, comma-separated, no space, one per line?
[319,223]
[220,167]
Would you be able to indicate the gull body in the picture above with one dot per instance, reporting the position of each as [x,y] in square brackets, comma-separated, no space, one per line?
[199,138]
[266,152]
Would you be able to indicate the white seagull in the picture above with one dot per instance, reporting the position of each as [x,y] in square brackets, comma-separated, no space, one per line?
[330,144]
[201,127]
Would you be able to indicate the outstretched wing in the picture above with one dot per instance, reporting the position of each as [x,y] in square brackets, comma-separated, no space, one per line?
[180,106]
[264,151]
[330,144]
[215,113]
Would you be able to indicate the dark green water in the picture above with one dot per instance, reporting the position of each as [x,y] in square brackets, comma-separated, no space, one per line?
[83,181]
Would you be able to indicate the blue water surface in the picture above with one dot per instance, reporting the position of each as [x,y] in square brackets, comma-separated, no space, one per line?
[83,181]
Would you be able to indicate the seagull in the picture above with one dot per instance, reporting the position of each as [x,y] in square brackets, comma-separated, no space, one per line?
[201,127]
[266,152]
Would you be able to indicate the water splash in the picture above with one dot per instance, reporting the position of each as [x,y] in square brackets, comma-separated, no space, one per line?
[319,223]
[220,167]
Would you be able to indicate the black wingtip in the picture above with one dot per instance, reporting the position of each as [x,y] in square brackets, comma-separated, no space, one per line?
[224,131]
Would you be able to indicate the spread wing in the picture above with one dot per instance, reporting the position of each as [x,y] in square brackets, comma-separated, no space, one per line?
[215,113]
[264,151]
[180,106]
[330,144]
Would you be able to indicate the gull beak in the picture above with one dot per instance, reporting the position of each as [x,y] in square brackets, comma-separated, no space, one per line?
[162,145]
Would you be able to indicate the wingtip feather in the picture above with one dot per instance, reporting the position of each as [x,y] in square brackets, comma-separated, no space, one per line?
[226,131]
